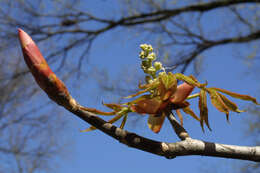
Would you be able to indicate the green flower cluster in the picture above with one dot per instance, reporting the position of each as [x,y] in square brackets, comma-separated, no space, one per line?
[148,65]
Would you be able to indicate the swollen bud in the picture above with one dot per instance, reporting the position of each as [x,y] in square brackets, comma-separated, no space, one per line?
[43,75]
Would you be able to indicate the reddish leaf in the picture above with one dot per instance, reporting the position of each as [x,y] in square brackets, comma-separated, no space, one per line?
[178,112]
[203,109]
[114,106]
[123,122]
[236,95]
[217,101]
[190,80]
[182,92]
[155,122]
[147,106]
[98,112]
[188,110]
[231,105]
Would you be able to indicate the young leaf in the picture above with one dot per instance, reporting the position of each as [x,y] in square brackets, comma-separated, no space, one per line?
[89,129]
[154,85]
[188,110]
[231,105]
[217,101]
[114,106]
[190,80]
[170,86]
[155,122]
[168,80]
[98,112]
[161,89]
[193,96]
[236,95]
[147,106]
[203,109]
[178,112]
[138,93]
[182,92]
[123,122]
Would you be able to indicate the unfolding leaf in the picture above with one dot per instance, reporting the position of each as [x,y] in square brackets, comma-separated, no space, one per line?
[178,112]
[168,80]
[98,112]
[167,85]
[142,86]
[193,96]
[161,89]
[89,129]
[147,106]
[231,105]
[188,110]
[143,97]
[217,101]
[236,95]
[123,122]
[138,93]
[182,92]
[203,109]
[190,80]
[114,106]
[149,87]
[155,122]
[179,105]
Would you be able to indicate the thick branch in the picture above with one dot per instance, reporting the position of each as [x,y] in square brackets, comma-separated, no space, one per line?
[169,150]
[198,147]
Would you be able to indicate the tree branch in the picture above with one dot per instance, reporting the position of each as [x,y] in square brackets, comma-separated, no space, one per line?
[207,44]
[169,150]
[165,14]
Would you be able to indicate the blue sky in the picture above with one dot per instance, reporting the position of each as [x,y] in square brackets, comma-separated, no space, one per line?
[97,152]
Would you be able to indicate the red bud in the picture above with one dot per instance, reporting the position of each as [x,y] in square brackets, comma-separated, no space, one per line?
[41,71]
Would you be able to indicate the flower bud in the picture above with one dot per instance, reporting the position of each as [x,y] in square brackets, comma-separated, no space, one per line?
[157,65]
[151,56]
[142,55]
[151,70]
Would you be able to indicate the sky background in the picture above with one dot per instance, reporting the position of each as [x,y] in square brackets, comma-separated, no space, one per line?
[116,51]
